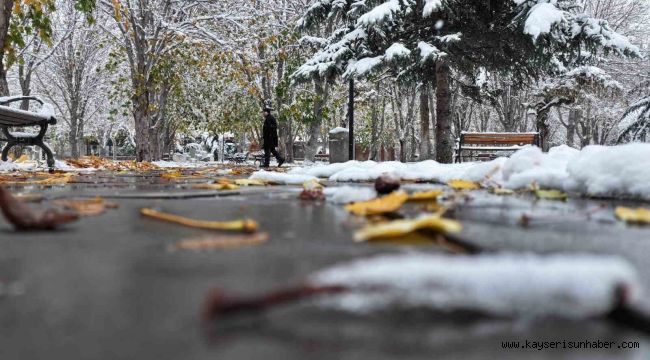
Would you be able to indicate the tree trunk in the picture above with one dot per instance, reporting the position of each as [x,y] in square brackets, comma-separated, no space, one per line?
[571,127]
[142,128]
[313,132]
[444,141]
[6,8]
[374,134]
[425,145]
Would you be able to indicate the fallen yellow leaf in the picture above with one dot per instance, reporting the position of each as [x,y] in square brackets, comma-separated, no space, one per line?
[402,227]
[249,182]
[500,191]
[215,186]
[171,175]
[386,204]
[634,216]
[550,194]
[463,185]
[425,195]
[22,159]
[246,225]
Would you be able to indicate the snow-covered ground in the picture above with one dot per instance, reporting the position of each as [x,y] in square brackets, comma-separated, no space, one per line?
[607,171]
[526,285]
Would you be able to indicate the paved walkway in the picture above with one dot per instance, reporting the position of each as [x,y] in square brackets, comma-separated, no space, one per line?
[108,287]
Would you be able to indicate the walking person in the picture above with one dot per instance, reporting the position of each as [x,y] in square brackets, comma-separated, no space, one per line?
[270,134]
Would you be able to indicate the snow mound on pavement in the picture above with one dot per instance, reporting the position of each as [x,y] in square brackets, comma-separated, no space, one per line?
[607,171]
[281,178]
[572,286]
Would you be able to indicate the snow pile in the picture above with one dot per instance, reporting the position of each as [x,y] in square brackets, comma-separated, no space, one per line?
[178,164]
[357,171]
[532,165]
[9,166]
[349,194]
[605,171]
[572,286]
[619,171]
[380,13]
[281,178]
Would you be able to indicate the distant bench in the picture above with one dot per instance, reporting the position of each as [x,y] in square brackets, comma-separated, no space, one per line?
[10,117]
[483,145]
[322,157]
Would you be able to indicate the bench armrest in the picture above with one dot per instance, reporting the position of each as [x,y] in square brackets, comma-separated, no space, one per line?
[11,99]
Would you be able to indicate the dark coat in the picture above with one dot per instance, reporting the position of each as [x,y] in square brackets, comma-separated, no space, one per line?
[270,132]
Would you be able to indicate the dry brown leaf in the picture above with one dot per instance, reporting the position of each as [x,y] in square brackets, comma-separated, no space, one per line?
[246,225]
[22,217]
[86,207]
[221,242]
[386,204]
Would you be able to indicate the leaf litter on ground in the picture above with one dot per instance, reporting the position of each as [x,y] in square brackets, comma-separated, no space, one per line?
[22,217]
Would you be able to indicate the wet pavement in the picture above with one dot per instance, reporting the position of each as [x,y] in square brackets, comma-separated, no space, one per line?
[108,287]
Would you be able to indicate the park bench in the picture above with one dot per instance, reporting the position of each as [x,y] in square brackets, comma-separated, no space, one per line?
[238,158]
[322,157]
[483,146]
[16,118]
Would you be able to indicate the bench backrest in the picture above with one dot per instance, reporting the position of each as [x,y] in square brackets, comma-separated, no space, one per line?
[499,138]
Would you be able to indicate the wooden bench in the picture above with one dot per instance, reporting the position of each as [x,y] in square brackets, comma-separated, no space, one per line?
[16,118]
[322,157]
[486,143]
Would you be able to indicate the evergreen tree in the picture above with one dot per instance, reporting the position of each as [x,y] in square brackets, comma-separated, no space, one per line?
[424,40]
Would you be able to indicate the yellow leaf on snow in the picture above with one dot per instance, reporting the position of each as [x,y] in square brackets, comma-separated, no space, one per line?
[403,227]
[463,185]
[245,225]
[500,191]
[386,204]
[634,216]
[550,194]
[425,195]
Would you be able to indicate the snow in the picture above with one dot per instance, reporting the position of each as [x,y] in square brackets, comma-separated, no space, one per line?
[349,194]
[541,18]
[430,6]
[356,171]
[621,171]
[338,130]
[396,51]
[175,164]
[517,285]
[281,178]
[47,110]
[428,51]
[380,13]
[362,66]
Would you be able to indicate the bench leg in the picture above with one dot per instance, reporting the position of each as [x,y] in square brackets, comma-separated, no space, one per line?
[5,151]
[48,154]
